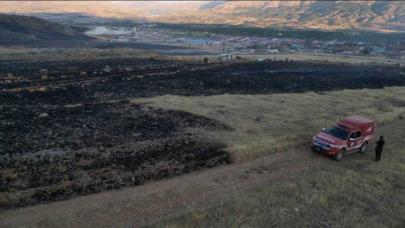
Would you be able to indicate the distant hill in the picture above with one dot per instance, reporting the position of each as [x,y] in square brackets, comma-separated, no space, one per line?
[15,29]
[100,8]
[324,15]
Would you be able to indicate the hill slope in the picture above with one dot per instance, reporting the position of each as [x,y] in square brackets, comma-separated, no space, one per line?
[100,8]
[374,15]
[371,15]
[31,30]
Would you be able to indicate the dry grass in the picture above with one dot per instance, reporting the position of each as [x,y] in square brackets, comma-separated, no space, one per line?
[306,57]
[354,193]
[272,123]
[329,57]
[369,197]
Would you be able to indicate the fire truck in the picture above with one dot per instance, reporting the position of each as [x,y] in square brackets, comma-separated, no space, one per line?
[350,135]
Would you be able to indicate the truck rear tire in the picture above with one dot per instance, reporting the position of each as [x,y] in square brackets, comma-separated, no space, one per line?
[363,148]
[339,156]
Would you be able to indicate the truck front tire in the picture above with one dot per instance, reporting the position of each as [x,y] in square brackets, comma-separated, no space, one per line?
[363,148]
[339,155]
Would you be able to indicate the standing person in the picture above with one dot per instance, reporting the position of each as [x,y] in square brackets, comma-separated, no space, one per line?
[378,148]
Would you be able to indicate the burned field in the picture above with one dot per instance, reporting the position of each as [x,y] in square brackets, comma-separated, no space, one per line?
[89,81]
[68,128]
[54,152]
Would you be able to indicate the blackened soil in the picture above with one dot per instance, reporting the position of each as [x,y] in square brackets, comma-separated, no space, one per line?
[74,82]
[66,128]
[55,152]
[32,128]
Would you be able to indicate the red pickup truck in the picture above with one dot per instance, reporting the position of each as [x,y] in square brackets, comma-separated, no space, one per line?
[349,135]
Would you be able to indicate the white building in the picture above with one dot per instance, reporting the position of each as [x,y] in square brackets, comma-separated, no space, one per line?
[224,57]
[273,51]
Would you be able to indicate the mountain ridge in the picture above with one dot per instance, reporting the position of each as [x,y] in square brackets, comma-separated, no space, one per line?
[325,15]
[385,16]
[17,29]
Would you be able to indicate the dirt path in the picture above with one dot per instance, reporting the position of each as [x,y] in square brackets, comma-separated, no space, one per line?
[143,204]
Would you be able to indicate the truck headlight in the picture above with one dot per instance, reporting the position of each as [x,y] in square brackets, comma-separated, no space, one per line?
[334,146]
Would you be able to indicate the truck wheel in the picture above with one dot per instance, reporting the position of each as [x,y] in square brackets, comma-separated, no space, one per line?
[363,148]
[313,149]
[339,156]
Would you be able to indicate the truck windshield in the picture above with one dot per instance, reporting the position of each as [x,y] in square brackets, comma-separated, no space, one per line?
[337,132]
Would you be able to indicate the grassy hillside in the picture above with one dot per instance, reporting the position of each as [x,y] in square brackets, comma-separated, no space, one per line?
[355,192]
[265,124]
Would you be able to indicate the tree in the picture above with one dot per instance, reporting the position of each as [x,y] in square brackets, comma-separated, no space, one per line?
[365,51]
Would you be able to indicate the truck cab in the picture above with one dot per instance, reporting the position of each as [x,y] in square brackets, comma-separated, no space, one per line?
[351,134]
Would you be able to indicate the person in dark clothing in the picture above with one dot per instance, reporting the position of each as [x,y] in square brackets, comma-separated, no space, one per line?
[378,148]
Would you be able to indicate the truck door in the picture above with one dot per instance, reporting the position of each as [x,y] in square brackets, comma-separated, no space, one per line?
[355,140]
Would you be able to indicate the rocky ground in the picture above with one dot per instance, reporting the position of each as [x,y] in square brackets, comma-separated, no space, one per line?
[67,129]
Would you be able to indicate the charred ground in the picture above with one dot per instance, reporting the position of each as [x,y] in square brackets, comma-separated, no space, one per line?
[89,81]
[67,128]
[54,152]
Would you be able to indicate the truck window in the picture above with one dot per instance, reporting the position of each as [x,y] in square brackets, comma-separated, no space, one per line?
[337,132]
[355,135]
